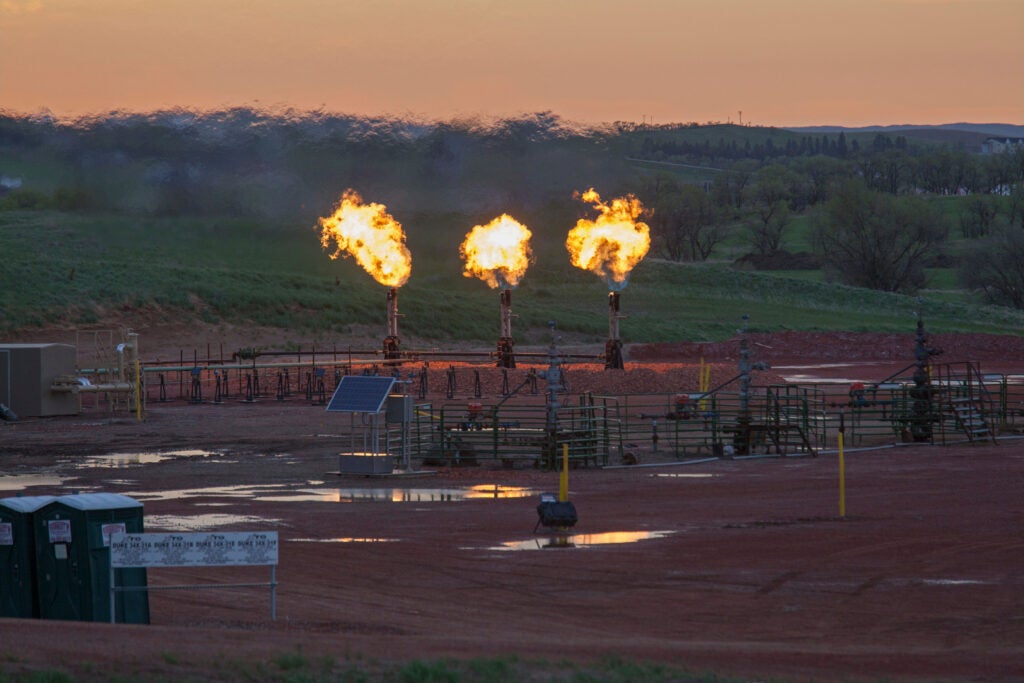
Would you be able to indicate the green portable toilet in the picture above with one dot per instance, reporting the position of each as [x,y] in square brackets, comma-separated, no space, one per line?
[18,556]
[73,559]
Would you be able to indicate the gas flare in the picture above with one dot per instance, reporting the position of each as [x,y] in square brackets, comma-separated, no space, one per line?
[368,233]
[612,245]
[498,253]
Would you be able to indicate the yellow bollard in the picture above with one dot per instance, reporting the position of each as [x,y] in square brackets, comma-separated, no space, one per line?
[563,481]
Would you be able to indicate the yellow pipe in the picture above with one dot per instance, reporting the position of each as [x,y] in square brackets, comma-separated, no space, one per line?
[138,392]
[563,483]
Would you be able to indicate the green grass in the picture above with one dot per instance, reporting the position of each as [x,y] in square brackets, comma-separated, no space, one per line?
[71,269]
[291,667]
[797,236]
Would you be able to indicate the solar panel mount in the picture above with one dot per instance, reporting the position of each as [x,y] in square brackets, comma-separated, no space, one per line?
[360,394]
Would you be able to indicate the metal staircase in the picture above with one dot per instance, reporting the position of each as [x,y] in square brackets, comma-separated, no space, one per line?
[968,414]
[966,403]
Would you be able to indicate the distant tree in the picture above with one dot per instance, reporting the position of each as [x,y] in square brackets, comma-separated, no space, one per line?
[889,170]
[1015,206]
[767,224]
[999,172]
[769,198]
[821,174]
[947,171]
[871,239]
[979,215]
[841,150]
[995,267]
[729,187]
[684,220]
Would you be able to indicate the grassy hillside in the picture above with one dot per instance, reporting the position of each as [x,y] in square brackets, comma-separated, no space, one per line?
[73,269]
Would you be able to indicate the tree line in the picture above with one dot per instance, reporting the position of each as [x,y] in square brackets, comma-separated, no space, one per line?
[875,216]
[871,202]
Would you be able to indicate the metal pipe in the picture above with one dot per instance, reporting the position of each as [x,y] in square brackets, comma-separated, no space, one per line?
[506,355]
[613,347]
[506,313]
[391,341]
[613,315]
[91,388]
[393,312]
[149,367]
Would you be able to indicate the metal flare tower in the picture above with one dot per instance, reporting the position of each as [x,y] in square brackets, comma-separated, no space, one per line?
[506,355]
[391,341]
[613,347]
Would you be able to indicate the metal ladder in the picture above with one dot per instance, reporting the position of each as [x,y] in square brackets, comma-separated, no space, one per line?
[969,415]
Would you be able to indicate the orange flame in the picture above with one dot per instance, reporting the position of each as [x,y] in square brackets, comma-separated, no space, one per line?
[368,233]
[498,253]
[612,245]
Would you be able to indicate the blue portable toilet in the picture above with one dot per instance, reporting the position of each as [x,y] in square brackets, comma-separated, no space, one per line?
[73,559]
[18,592]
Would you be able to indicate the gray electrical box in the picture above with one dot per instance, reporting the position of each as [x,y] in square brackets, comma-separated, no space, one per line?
[399,409]
[26,373]
[365,463]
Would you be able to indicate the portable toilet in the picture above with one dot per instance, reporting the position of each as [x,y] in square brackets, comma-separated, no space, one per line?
[73,559]
[18,594]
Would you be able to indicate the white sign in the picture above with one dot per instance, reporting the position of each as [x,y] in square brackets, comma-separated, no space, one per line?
[59,530]
[6,533]
[194,549]
[109,530]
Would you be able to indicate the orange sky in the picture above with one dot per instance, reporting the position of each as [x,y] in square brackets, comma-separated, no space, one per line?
[782,62]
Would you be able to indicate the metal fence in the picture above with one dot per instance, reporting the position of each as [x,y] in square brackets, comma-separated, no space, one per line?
[512,434]
[785,420]
[957,403]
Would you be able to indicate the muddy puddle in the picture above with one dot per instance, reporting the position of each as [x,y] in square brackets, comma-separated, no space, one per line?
[286,493]
[681,475]
[202,522]
[543,542]
[11,483]
[119,460]
[344,539]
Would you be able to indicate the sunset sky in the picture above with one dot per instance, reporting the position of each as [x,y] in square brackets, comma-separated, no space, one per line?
[782,62]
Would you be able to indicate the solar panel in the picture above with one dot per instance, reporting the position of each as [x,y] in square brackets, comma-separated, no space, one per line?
[359,394]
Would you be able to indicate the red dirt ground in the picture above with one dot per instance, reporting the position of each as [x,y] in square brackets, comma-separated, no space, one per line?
[756,576]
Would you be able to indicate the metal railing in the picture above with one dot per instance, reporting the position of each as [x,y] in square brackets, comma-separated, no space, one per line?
[512,434]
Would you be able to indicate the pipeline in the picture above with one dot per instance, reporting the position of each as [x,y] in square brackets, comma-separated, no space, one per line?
[80,385]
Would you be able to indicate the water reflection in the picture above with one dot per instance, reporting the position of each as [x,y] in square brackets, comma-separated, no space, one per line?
[344,539]
[16,482]
[249,492]
[116,460]
[200,522]
[279,493]
[581,540]
[401,495]
[687,475]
